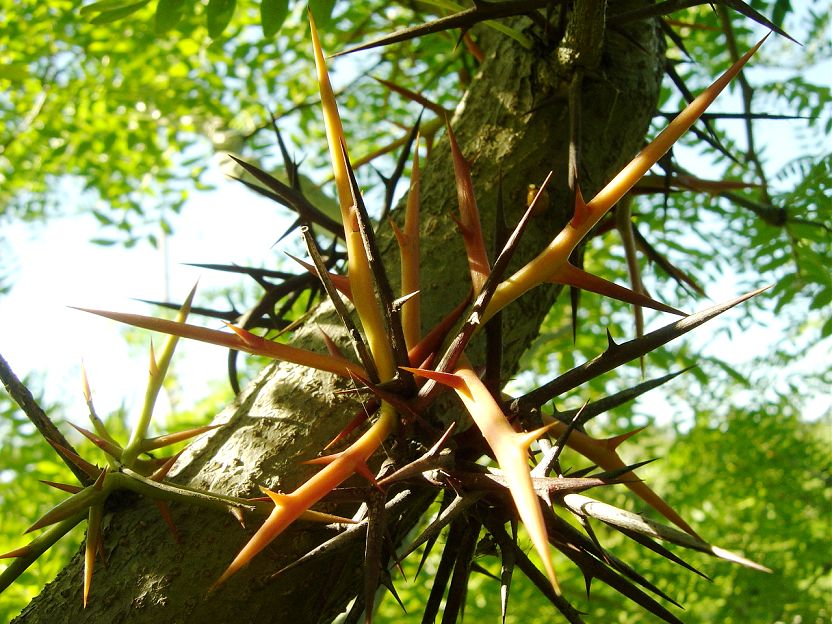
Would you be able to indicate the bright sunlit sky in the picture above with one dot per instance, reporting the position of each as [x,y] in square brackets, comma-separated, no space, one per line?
[56,267]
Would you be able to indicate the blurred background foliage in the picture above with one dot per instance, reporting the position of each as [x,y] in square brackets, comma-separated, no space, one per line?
[130,102]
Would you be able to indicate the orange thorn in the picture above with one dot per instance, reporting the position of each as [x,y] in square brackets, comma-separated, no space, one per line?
[446,379]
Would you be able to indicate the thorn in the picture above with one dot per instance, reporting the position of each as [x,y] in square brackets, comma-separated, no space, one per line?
[581,213]
[17,552]
[72,489]
[448,379]
[278,499]
[331,346]
[615,441]
[525,439]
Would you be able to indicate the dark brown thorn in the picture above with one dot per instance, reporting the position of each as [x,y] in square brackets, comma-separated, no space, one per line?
[463,19]
[576,258]
[507,560]
[356,338]
[443,571]
[574,151]
[449,359]
[350,535]
[582,551]
[388,583]
[289,197]
[458,587]
[391,182]
[392,316]
[376,529]
[611,560]
[550,458]
[413,96]
[23,397]
[661,550]
[607,403]
[653,255]
[712,136]
[616,354]
[229,316]
[671,6]
[428,461]
[446,515]
[289,164]
[233,268]
[522,561]
[72,489]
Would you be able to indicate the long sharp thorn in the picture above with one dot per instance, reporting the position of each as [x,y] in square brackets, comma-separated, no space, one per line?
[522,561]
[409,254]
[372,551]
[414,97]
[588,214]
[289,197]
[607,403]
[313,490]
[509,447]
[463,20]
[72,489]
[657,148]
[469,217]
[72,506]
[392,317]
[340,282]
[602,452]
[250,343]
[620,518]
[112,449]
[625,352]
[151,444]
[393,181]
[573,276]
[480,310]
[91,471]
[360,347]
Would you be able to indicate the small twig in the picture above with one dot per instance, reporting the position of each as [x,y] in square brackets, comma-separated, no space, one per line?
[23,397]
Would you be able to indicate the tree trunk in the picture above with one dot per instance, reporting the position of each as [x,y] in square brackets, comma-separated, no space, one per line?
[513,122]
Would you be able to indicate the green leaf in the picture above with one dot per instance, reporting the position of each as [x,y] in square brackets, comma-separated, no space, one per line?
[105,6]
[781,7]
[14,71]
[822,299]
[168,14]
[322,10]
[218,15]
[272,15]
[107,17]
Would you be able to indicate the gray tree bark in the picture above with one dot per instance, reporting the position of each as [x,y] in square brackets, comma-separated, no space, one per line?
[514,122]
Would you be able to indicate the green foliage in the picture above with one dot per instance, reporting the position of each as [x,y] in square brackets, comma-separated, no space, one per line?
[128,100]
[27,456]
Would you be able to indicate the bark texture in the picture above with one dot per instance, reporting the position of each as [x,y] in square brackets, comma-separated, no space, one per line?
[514,122]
